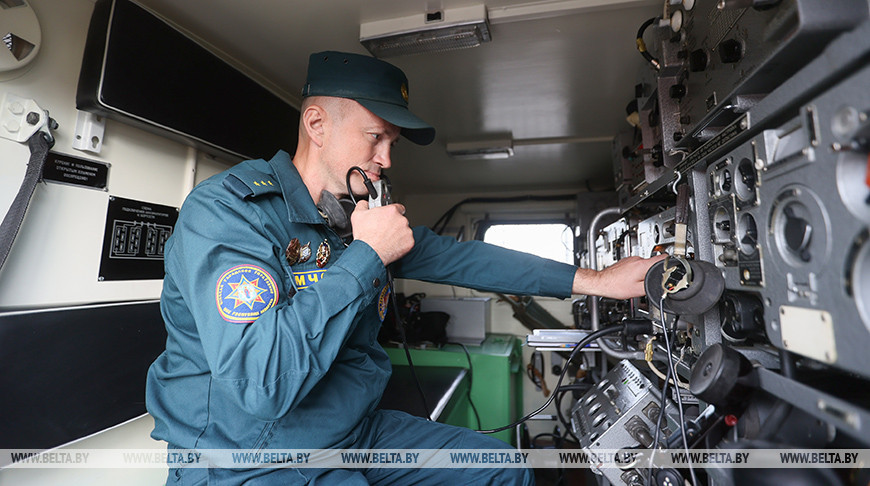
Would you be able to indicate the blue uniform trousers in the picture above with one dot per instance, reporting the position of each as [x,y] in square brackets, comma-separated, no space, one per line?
[382,429]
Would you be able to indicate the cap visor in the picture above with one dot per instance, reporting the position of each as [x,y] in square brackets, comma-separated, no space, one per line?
[413,128]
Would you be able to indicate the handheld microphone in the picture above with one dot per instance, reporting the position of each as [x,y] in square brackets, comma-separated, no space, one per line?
[337,211]
[379,191]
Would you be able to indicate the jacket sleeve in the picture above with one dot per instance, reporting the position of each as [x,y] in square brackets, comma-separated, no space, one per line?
[481,266]
[269,364]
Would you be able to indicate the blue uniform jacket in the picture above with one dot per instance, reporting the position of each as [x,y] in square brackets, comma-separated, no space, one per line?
[262,354]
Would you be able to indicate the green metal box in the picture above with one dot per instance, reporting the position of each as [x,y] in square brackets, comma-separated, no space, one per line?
[496,388]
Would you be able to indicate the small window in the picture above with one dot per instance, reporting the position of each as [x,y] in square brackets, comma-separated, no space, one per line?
[553,241]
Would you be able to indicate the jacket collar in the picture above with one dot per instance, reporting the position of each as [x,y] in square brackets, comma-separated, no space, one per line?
[300,206]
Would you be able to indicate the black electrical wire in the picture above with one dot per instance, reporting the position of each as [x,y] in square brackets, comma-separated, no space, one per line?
[470,382]
[672,371]
[655,443]
[368,183]
[679,405]
[641,45]
[579,347]
[531,369]
[399,320]
[561,391]
[662,408]
[401,326]
[556,438]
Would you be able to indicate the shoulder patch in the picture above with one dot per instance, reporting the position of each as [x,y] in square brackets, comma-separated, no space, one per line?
[244,292]
[383,303]
[245,182]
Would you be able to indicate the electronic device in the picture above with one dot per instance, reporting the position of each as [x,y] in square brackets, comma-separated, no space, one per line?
[132,57]
[620,412]
[720,58]
[813,217]
[766,312]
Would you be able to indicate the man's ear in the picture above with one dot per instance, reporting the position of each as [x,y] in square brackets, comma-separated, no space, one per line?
[313,123]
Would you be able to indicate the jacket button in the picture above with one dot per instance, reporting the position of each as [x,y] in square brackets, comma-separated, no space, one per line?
[376,282]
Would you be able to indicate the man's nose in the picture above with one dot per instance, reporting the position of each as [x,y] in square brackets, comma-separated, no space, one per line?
[382,157]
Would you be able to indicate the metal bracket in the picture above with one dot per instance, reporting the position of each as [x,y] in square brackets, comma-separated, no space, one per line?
[89,132]
[21,117]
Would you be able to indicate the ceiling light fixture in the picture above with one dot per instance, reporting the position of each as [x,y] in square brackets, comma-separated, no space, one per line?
[500,148]
[440,30]
[503,147]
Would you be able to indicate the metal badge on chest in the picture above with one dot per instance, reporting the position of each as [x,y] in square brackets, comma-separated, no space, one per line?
[323,254]
[297,252]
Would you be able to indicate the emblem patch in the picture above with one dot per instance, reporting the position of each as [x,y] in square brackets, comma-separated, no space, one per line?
[383,300]
[244,292]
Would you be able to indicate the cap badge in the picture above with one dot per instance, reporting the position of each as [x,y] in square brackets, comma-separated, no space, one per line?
[323,254]
[405,92]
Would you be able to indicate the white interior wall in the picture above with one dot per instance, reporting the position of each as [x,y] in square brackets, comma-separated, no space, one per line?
[56,256]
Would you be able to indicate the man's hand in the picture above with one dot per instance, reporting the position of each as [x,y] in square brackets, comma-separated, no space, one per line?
[385,229]
[622,280]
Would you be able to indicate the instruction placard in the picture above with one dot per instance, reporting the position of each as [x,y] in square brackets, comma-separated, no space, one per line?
[66,169]
[135,239]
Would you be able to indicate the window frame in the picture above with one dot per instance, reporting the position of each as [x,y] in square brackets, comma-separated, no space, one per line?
[485,224]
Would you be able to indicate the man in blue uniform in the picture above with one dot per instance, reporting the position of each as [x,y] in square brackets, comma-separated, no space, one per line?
[273,319]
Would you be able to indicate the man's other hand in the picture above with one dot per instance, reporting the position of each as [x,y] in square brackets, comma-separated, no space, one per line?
[622,280]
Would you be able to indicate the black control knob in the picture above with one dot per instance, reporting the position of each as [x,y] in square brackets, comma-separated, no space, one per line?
[716,376]
[726,180]
[677,91]
[669,477]
[742,316]
[698,60]
[747,175]
[730,51]
[798,234]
